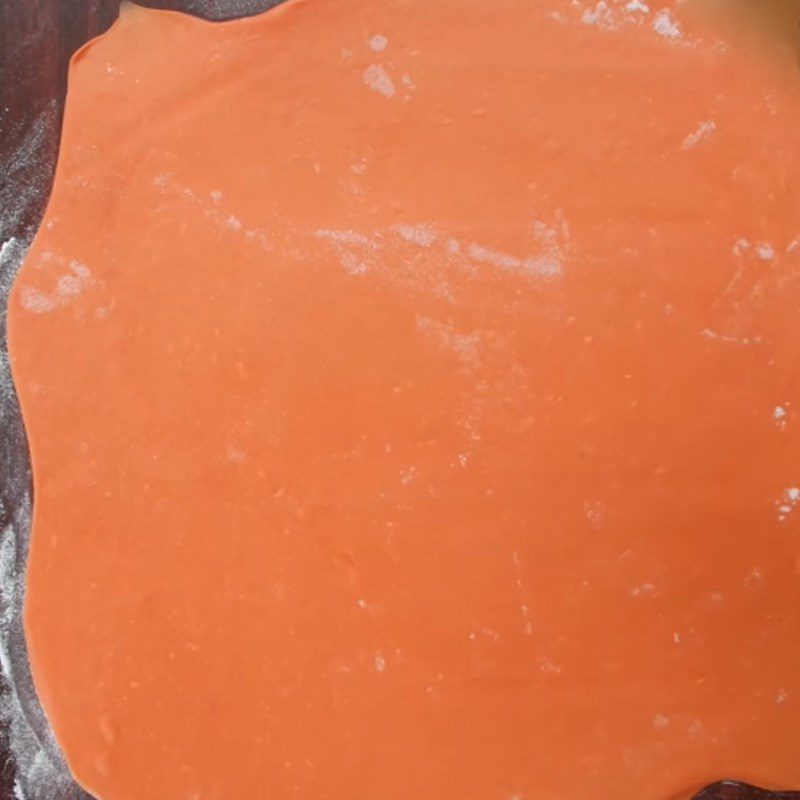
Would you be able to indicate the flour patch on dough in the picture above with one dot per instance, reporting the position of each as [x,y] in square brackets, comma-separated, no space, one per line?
[354,250]
[496,258]
[554,242]
[357,251]
[607,15]
[601,16]
[551,241]
[379,80]
[68,285]
[223,219]
[595,513]
[546,265]
[549,667]
[755,576]
[787,502]
[665,25]
[423,235]
[33,300]
[613,15]
[704,130]
[465,346]
[741,246]
[378,42]
[766,252]
[708,333]
[343,237]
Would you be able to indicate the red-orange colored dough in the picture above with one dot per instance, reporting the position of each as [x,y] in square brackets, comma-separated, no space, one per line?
[413,400]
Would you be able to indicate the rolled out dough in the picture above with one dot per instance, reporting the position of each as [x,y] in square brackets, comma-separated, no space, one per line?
[413,401]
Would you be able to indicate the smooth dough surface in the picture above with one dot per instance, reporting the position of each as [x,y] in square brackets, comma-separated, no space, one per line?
[413,401]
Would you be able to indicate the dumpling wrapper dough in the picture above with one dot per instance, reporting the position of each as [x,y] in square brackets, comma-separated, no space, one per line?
[412,394]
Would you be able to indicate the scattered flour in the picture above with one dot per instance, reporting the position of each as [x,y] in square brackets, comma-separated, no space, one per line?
[494,257]
[549,667]
[547,264]
[704,130]
[766,252]
[465,347]
[68,285]
[755,576]
[611,15]
[34,300]
[222,219]
[378,79]
[357,251]
[696,729]
[553,243]
[353,249]
[343,237]
[378,43]
[721,337]
[423,235]
[595,513]
[519,584]
[665,25]
[787,502]
[601,15]
[741,246]
[41,773]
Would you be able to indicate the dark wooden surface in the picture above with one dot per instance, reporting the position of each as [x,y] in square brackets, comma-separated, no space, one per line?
[37,38]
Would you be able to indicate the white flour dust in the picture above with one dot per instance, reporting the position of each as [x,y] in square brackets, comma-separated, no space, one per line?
[379,80]
[41,772]
[613,15]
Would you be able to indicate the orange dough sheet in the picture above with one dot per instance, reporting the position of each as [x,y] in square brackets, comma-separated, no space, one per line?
[413,400]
